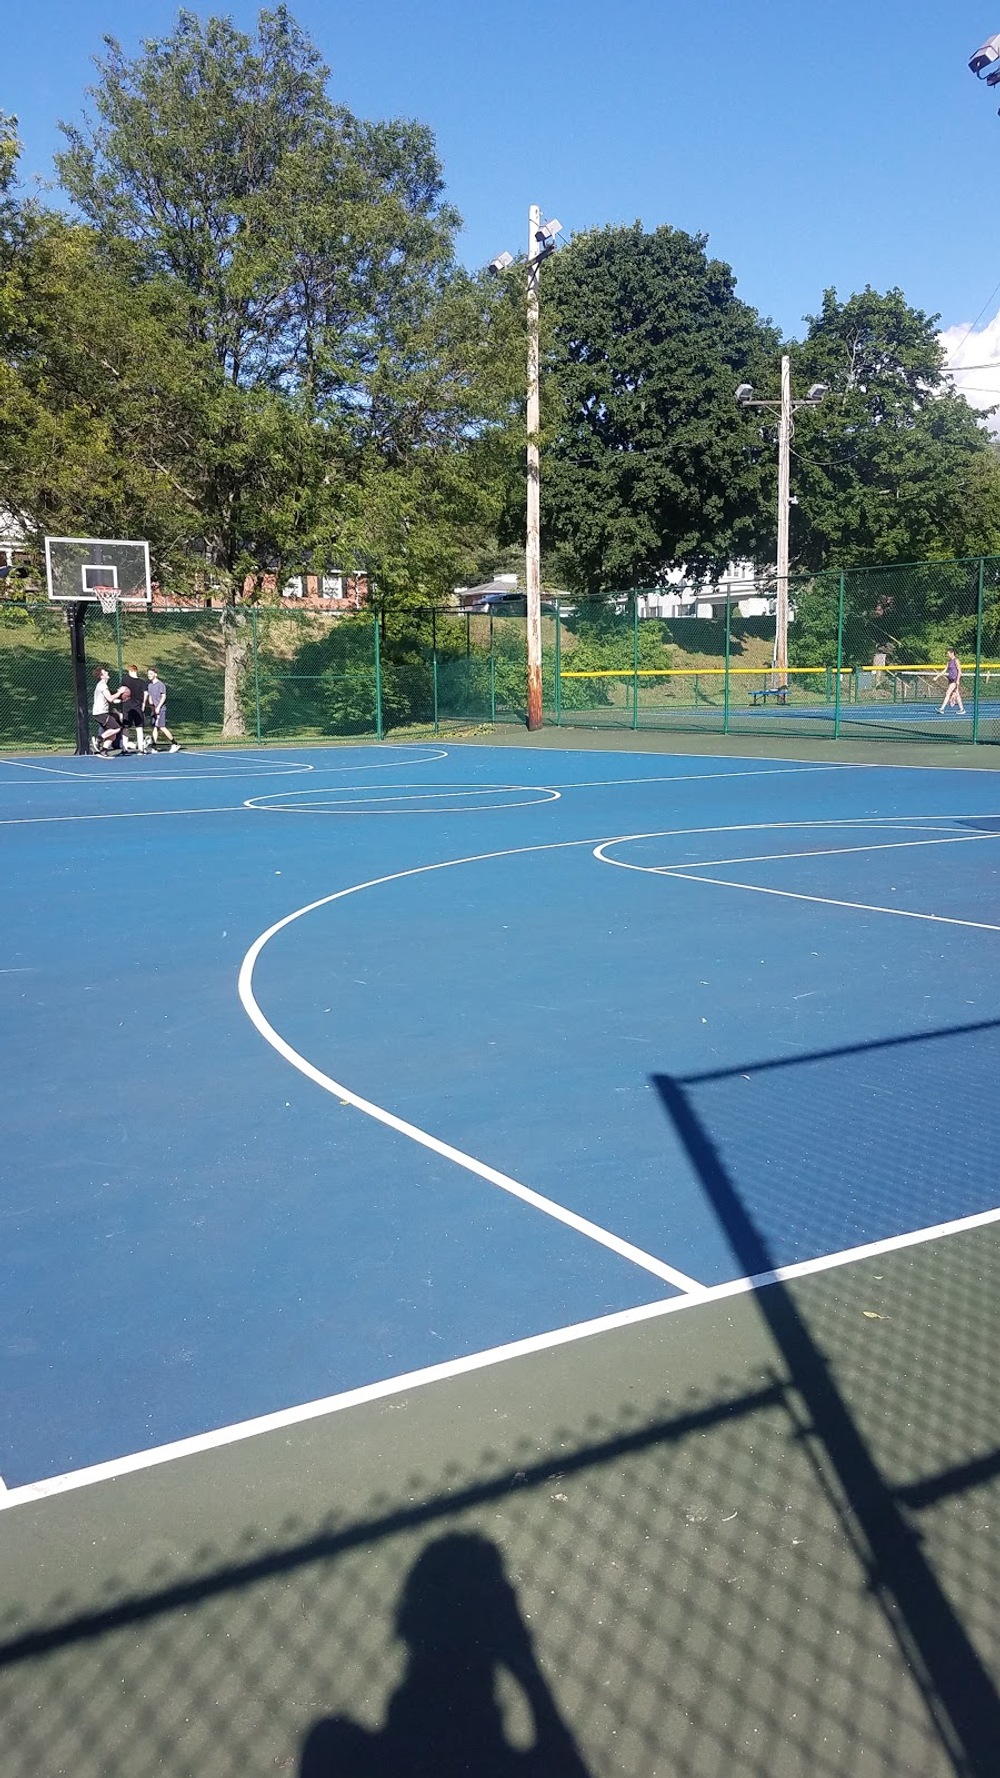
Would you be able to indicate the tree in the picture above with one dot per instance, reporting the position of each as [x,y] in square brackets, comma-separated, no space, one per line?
[646,460]
[314,251]
[10,150]
[437,442]
[302,233]
[883,469]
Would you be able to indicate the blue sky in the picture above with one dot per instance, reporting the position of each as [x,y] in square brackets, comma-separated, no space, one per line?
[815,145]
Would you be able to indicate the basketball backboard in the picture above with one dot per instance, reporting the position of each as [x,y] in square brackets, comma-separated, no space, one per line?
[100,570]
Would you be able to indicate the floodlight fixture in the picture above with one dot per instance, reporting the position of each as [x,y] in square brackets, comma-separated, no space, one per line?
[545,238]
[990,52]
[817,392]
[501,263]
[744,392]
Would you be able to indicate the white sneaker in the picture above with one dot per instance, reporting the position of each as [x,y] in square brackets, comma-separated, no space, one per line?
[175,746]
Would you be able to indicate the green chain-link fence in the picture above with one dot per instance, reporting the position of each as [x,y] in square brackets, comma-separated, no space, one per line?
[866,651]
[291,675]
[867,655]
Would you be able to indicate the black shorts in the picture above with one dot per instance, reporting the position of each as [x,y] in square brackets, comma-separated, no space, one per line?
[132,716]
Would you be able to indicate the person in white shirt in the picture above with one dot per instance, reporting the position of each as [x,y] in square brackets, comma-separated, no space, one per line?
[107,721]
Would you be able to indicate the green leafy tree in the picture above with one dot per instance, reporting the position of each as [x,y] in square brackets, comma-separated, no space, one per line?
[315,254]
[883,468]
[646,459]
[891,467]
[99,386]
[436,445]
[303,234]
[10,150]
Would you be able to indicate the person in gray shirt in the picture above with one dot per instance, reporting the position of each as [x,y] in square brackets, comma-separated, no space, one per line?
[157,695]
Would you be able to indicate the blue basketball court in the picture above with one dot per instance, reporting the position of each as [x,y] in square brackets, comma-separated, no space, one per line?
[331,1068]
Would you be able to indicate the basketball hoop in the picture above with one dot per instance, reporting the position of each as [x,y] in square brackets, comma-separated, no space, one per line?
[107,598]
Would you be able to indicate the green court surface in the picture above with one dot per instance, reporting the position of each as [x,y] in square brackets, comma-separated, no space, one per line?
[758,1537]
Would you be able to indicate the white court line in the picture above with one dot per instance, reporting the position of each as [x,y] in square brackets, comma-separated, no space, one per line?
[789,760]
[580,1224]
[240,1430]
[25,765]
[266,769]
[120,815]
[837,765]
[880,822]
[830,901]
[688,874]
[796,771]
[142,771]
[278,802]
[952,839]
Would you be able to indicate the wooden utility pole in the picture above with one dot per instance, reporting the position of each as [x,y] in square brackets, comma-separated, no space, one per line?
[785,408]
[784,490]
[532,546]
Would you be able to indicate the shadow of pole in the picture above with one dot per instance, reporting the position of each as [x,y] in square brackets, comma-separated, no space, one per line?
[958,1692]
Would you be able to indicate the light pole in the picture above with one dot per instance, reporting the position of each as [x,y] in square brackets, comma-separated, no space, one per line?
[785,408]
[541,242]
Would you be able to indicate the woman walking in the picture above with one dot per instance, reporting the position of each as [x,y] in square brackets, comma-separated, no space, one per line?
[953,674]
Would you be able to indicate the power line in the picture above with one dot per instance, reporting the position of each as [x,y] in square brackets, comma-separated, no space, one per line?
[973,325]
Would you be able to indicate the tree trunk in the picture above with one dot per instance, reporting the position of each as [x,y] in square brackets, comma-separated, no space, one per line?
[238,647]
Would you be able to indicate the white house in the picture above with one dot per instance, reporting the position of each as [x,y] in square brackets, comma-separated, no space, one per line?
[743,588]
[14,546]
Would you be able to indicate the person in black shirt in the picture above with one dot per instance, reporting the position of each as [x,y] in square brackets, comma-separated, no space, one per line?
[133,705]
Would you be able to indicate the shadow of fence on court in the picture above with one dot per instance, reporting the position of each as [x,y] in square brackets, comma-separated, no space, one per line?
[874,1414]
[665,1592]
[790,1567]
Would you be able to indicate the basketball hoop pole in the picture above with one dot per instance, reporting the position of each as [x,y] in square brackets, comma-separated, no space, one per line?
[76,618]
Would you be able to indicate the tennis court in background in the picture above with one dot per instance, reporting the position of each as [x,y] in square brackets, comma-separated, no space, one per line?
[501,1265]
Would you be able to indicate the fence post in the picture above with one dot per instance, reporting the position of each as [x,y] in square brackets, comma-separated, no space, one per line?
[725,682]
[118,636]
[558,664]
[635,660]
[979,655]
[840,656]
[434,664]
[493,678]
[256,666]
[379,730]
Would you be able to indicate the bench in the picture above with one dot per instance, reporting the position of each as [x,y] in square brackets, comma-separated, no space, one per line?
[763,692]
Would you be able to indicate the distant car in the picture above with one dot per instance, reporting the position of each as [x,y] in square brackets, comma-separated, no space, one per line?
[504,604]
[515,605]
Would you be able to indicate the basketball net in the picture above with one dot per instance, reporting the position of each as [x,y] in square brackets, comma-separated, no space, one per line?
[107,598]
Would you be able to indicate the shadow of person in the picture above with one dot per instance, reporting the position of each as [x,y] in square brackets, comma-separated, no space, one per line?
[459,1617]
